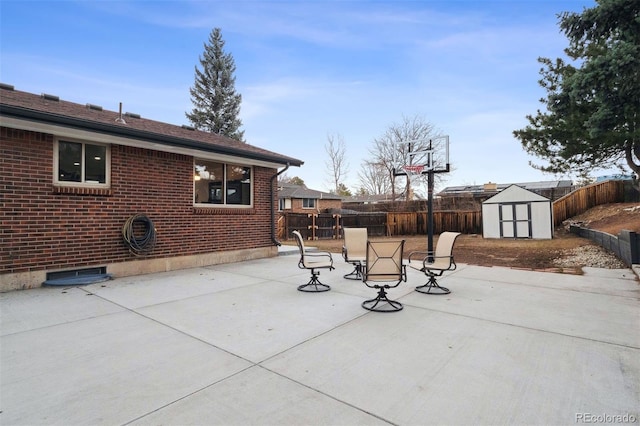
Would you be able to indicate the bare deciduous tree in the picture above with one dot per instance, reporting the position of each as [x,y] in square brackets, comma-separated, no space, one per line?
[283,178]
[337,164]
[392,150]
[374,179]
[294,180]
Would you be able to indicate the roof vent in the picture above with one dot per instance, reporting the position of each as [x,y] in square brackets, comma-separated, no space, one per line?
[184,126]
[4,86]
[132,115]
[119,118]
[94,107]
[48,97]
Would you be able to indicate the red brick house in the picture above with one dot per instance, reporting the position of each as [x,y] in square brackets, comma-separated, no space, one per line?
[300,199]
[72,178]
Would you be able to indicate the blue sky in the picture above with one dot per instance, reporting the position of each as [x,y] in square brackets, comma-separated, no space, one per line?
[307,69]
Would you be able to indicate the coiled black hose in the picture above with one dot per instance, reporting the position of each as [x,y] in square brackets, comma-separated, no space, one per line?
[142,244]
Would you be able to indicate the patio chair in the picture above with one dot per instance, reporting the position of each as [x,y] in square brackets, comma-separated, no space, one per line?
[354,250]
[313,261]
[434,264]
[383,270]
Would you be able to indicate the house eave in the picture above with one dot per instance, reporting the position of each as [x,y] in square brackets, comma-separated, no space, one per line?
[27,119]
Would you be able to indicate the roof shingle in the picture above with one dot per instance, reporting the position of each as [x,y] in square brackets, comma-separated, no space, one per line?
[47,108]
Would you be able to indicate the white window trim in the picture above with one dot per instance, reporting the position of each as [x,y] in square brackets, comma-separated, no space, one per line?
[315,203]
[284,204]
[224,205]
[64,183]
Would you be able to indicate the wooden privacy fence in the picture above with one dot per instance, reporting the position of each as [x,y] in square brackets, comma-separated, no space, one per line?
[315,226]
[376,223]
[582,199]
[466,222]
[326,226]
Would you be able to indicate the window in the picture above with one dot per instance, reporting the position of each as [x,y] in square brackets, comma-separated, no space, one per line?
[219,183]
[79,163]
[308,203]
[285,204]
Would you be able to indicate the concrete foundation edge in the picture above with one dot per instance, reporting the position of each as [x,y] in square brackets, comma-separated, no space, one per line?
[34,279]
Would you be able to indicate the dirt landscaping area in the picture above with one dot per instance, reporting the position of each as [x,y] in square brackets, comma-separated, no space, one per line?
[565,253]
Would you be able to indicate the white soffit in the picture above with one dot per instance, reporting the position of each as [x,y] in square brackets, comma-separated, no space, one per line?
[84,135]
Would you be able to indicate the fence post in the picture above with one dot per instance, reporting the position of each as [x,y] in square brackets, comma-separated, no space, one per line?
[391,224]
[313,226]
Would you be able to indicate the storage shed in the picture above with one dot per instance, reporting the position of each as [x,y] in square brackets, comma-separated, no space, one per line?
[516,212]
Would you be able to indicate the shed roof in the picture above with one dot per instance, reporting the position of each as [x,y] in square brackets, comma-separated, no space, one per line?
[45,112]
[514,193]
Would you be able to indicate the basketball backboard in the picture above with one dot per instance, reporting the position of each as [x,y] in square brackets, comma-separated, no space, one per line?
[422,156]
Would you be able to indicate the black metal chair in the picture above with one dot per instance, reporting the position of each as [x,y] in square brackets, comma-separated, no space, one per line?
[434,264]
[383,270]
[313,261]
[354,250]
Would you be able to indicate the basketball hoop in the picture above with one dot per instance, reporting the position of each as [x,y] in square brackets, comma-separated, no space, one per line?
[413,169]
[427,155]
[431,156]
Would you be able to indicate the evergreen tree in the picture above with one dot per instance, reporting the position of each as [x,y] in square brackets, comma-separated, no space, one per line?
[592,116]
[216,103]
[343,191]
[296,181]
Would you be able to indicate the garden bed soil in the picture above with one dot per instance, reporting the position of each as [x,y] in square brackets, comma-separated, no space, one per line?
[566,252]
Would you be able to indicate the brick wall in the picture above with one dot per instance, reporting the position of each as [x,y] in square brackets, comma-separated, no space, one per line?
[321,206]
[43,227]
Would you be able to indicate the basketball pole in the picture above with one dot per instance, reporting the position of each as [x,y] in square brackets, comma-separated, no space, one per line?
[431,170]
[430,207]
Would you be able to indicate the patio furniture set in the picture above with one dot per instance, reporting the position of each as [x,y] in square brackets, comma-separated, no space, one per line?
[380,265]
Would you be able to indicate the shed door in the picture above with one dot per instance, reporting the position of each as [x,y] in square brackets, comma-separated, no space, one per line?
[515,220]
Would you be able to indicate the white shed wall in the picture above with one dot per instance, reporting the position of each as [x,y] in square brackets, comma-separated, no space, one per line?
[541,221]
[513,202]
[490,221]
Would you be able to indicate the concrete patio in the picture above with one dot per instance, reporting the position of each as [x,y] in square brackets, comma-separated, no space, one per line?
[236,344]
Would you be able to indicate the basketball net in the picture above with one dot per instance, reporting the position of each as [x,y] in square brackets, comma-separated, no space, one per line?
[414,169]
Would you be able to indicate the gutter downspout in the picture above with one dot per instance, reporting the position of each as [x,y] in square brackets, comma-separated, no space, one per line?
[273,218]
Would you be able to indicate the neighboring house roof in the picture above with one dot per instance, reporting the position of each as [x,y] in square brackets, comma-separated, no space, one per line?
[49,114]
[515,193]
[372,199]
[289,190]
[614,177]
[532,186]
